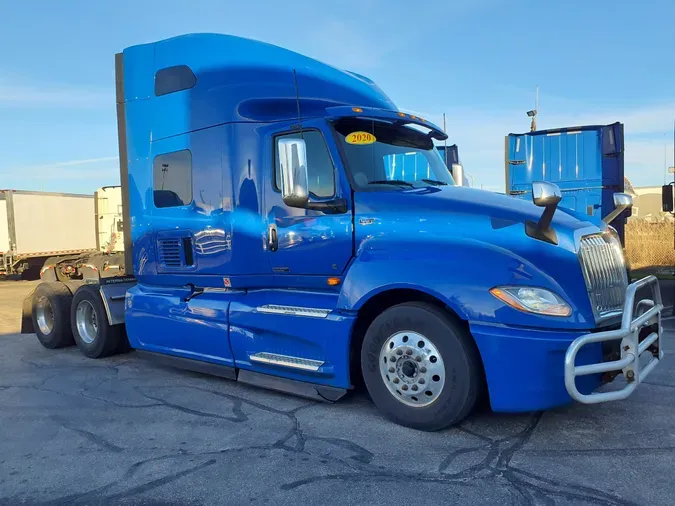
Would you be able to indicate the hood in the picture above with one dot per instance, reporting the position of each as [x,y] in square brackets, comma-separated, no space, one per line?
[468,201]
[471,212]
[446,219]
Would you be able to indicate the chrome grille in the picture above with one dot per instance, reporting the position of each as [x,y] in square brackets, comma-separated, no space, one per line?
[603,266]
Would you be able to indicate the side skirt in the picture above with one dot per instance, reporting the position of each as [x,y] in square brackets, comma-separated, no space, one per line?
[293,387]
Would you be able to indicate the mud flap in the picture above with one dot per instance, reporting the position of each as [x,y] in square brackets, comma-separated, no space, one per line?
[27,314]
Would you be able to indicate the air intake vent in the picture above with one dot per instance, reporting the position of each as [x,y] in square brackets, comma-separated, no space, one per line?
[170,252]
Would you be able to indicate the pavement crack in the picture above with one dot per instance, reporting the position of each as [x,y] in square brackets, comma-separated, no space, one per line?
[94,438]
[239,415]
[146,487]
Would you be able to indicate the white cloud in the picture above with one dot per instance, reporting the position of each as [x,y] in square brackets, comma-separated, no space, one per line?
[47,174]
[69,163]
[344,45]
[23,94]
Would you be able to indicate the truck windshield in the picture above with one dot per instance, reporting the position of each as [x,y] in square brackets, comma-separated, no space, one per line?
[383,156]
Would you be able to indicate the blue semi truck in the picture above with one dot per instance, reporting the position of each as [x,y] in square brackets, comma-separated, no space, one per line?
[273,238]
[585,162]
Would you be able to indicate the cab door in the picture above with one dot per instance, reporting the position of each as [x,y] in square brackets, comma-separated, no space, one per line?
[305,241]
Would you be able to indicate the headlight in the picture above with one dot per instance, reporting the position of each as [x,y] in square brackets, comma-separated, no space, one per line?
[532,300]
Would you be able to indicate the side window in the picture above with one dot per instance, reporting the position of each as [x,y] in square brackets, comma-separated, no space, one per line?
[172,179]
[173,79]
[320,169]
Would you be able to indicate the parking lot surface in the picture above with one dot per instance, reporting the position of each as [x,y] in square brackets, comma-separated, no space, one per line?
[124,431]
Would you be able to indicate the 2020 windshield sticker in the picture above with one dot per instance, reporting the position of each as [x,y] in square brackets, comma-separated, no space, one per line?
[361,138]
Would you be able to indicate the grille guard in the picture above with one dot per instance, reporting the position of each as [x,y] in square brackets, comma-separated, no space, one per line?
[635,317]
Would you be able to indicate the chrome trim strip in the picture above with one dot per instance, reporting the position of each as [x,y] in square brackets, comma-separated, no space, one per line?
[294,310]
[305,364]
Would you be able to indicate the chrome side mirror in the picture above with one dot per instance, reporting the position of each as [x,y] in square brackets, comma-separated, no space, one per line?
[622,201]
[545,194]
[293,161]
[458,174]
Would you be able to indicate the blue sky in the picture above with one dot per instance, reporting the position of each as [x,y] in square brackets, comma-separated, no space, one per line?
[477,61]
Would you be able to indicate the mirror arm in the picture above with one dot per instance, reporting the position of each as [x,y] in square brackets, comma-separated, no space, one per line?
[614,214]
[542,230]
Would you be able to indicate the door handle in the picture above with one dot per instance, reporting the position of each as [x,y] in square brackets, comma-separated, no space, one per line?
[272,238]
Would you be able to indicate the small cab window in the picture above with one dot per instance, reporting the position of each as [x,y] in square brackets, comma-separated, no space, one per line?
[172,179]
[320,169]
[172,79]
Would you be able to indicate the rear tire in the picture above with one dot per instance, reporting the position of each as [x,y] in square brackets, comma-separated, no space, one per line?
[94,336]
[421,368]
[51,315]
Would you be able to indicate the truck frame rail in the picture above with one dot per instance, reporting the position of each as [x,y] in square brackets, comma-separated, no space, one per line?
[635,318]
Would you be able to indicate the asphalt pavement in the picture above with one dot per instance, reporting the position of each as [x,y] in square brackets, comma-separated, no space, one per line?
[124,431]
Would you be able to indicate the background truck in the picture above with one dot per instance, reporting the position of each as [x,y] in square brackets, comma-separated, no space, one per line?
[40,231]
[450,156]
[272,237]
[586,162]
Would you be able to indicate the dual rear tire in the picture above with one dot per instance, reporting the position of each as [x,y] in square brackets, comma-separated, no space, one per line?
[62,319]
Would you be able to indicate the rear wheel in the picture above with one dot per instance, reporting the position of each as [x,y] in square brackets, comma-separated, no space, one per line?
[94,336]
[421,368]
[51,315]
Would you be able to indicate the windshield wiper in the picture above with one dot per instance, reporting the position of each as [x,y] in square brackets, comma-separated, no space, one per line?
[434,182]
[396,182]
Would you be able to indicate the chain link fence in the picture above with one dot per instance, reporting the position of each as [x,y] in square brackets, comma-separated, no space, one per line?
[650,245]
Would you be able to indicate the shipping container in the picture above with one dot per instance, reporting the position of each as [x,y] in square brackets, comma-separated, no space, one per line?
[586,162]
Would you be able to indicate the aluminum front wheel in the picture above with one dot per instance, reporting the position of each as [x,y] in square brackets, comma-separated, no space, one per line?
[86,321]
[44,313]
[412,368]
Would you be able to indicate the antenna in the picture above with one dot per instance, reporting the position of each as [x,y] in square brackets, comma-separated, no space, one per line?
[533,113]
[297,100]
[445,142]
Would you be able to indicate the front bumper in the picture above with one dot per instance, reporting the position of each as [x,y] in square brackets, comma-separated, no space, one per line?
[537,369]
[640,352]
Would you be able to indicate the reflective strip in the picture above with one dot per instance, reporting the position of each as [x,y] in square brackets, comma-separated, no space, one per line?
[294,310]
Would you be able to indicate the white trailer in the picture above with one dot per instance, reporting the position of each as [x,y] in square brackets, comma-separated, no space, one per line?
[42,230]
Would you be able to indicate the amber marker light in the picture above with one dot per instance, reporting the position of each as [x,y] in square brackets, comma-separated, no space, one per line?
[357,109]
[333,281]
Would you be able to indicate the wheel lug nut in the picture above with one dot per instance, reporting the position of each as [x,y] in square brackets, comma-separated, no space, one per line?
[399,352]
[423,369]
[421,381]
[393,358]
[414,387]
[391,369]
[418,358]
[404,387]
[396,380]
[408,352]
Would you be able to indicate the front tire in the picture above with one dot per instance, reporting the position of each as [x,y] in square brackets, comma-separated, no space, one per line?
[421,368]
[94,336]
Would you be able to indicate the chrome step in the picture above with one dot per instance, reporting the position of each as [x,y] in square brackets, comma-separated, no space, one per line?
[305,364]
[294,310]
